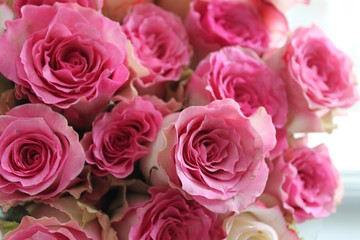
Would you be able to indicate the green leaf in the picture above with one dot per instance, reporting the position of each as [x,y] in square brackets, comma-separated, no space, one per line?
[6,226]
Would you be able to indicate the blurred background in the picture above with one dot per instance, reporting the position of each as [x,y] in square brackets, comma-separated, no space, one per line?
[339,20]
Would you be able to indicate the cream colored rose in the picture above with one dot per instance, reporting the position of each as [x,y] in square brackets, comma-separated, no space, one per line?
[258,222]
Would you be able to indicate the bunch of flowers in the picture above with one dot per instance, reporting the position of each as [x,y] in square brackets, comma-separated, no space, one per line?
[124,119]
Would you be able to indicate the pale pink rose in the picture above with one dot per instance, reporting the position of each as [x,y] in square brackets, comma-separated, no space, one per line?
[117,9]
[180,8]
[258,222]
[6,13]
[168,215]
[240,74]
[284,5]
[214,154]
[18,4]
[318,78]
[160,42]
[46,228]
[119,138]
[304,182]
[73,59]
[254,24]
[40,154]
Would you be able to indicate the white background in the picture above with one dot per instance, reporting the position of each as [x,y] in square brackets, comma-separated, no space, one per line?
[339,19]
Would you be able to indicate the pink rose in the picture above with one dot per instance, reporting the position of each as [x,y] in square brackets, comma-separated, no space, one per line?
[318,78]
[73,59]
[18,4]
[241,75]
[258,222]
[121,137]
[160,42]
[40,154]
[213,153]
[304,182]
[254,24]
[168,215]
[46,228]
[6,13]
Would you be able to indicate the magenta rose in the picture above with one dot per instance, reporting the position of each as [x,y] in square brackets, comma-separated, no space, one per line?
[119,138]
[168,215]
[73,59]
[318,78]
[46,228]
[160,42]
[6,13]
[40,154]
[18,4]
[254,24]
[304,182]
[213,153]
[240,74]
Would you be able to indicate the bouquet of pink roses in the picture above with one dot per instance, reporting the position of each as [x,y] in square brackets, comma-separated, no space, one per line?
[140,119]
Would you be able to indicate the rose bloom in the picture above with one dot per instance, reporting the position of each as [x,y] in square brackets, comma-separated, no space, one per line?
[258,222]
[213,153]
[254,24]
[18,4]
[168,215]
[46,228]
[304,182]
[160,42]
[40,154]
[318,77]
[240,74]
[73,59]
[121,137]
[6,13]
